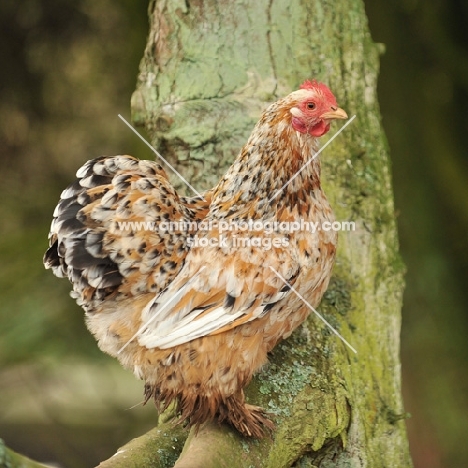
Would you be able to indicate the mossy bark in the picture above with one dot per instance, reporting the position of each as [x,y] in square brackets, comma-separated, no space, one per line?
[209,69]
[11,459]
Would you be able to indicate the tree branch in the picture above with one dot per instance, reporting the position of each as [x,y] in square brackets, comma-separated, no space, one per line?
[11,459]
[158,448]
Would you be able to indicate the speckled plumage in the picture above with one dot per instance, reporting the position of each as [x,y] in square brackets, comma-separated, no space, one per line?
[208,315]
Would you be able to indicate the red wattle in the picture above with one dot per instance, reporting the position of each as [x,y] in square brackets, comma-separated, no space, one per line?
[320,129]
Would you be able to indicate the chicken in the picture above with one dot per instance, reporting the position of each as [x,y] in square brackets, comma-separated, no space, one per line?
[194,310]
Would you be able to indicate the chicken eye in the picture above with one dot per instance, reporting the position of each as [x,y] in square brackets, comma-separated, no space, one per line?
[311,105]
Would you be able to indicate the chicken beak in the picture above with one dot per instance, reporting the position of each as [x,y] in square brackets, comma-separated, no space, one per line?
[335,113]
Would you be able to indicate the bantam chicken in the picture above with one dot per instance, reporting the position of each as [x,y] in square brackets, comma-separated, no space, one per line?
[194,311]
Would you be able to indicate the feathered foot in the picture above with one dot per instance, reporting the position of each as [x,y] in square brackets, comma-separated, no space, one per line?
[249,420]
[193,409]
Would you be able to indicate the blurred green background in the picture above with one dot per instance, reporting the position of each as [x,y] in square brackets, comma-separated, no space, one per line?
[68,69]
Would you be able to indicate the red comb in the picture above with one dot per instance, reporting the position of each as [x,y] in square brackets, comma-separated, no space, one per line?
[314,84]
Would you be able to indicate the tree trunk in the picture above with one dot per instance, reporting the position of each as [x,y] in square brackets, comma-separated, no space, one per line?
[209,69]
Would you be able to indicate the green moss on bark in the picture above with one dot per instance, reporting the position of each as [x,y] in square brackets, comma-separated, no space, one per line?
[11,459]
[158,448]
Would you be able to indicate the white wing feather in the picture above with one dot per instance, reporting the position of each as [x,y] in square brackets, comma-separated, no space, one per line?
[165,325]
